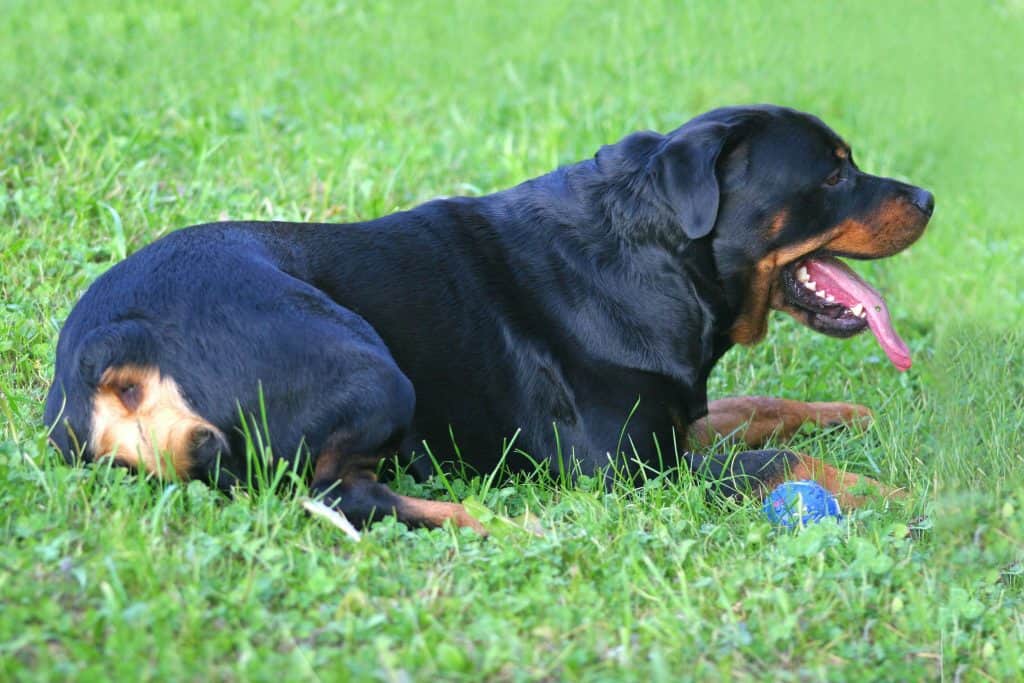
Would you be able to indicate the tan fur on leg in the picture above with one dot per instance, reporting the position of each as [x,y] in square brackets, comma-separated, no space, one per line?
[756,419]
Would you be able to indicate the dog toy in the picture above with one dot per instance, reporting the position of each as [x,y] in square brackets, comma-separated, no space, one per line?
[799,503]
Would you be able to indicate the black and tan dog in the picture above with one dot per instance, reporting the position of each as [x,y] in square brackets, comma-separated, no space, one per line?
[583,310]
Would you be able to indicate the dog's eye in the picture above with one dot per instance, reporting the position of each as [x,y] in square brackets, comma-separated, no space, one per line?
[834,178]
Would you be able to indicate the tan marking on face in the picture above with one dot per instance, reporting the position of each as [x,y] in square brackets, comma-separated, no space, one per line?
[893,226]
[141,419]
[842,153]
[752,323]
[777,223]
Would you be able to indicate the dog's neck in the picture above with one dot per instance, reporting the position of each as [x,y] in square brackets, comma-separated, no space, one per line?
[593,264]
[631,211]
[632,290]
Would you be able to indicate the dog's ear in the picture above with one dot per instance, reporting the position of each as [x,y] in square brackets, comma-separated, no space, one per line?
[682,171]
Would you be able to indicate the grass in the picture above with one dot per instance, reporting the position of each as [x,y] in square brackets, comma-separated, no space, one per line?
[121,123]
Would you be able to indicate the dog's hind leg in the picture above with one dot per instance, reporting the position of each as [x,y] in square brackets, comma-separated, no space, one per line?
[371,425]
[348,482]
[753,420]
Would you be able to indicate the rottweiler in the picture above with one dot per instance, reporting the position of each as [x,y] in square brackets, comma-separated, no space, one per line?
[570,321]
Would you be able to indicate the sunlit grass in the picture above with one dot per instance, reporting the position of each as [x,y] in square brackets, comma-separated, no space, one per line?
[118,125]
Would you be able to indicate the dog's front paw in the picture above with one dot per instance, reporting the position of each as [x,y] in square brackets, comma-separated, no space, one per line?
[842,415]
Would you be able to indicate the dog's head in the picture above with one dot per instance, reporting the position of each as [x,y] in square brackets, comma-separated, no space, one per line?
[779,197]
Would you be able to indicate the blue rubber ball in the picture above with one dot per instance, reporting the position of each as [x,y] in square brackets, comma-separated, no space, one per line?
[799,503]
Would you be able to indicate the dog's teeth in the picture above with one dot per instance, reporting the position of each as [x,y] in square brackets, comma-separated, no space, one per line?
[820,294]
[858,310]
[829,298]
[801,274]
[810,285]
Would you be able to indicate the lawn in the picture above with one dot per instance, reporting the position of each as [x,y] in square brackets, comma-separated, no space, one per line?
[120,122]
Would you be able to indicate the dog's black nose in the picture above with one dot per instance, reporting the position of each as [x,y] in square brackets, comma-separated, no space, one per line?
[923,199]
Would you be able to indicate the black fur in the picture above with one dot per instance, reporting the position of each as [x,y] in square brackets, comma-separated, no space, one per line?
[550,310]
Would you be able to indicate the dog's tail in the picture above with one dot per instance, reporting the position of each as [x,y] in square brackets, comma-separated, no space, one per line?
[110,399]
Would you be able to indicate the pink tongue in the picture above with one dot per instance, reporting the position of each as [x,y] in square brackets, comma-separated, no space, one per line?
[837,279]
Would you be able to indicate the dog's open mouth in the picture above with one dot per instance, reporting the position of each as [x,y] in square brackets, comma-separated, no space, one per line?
[839,303]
